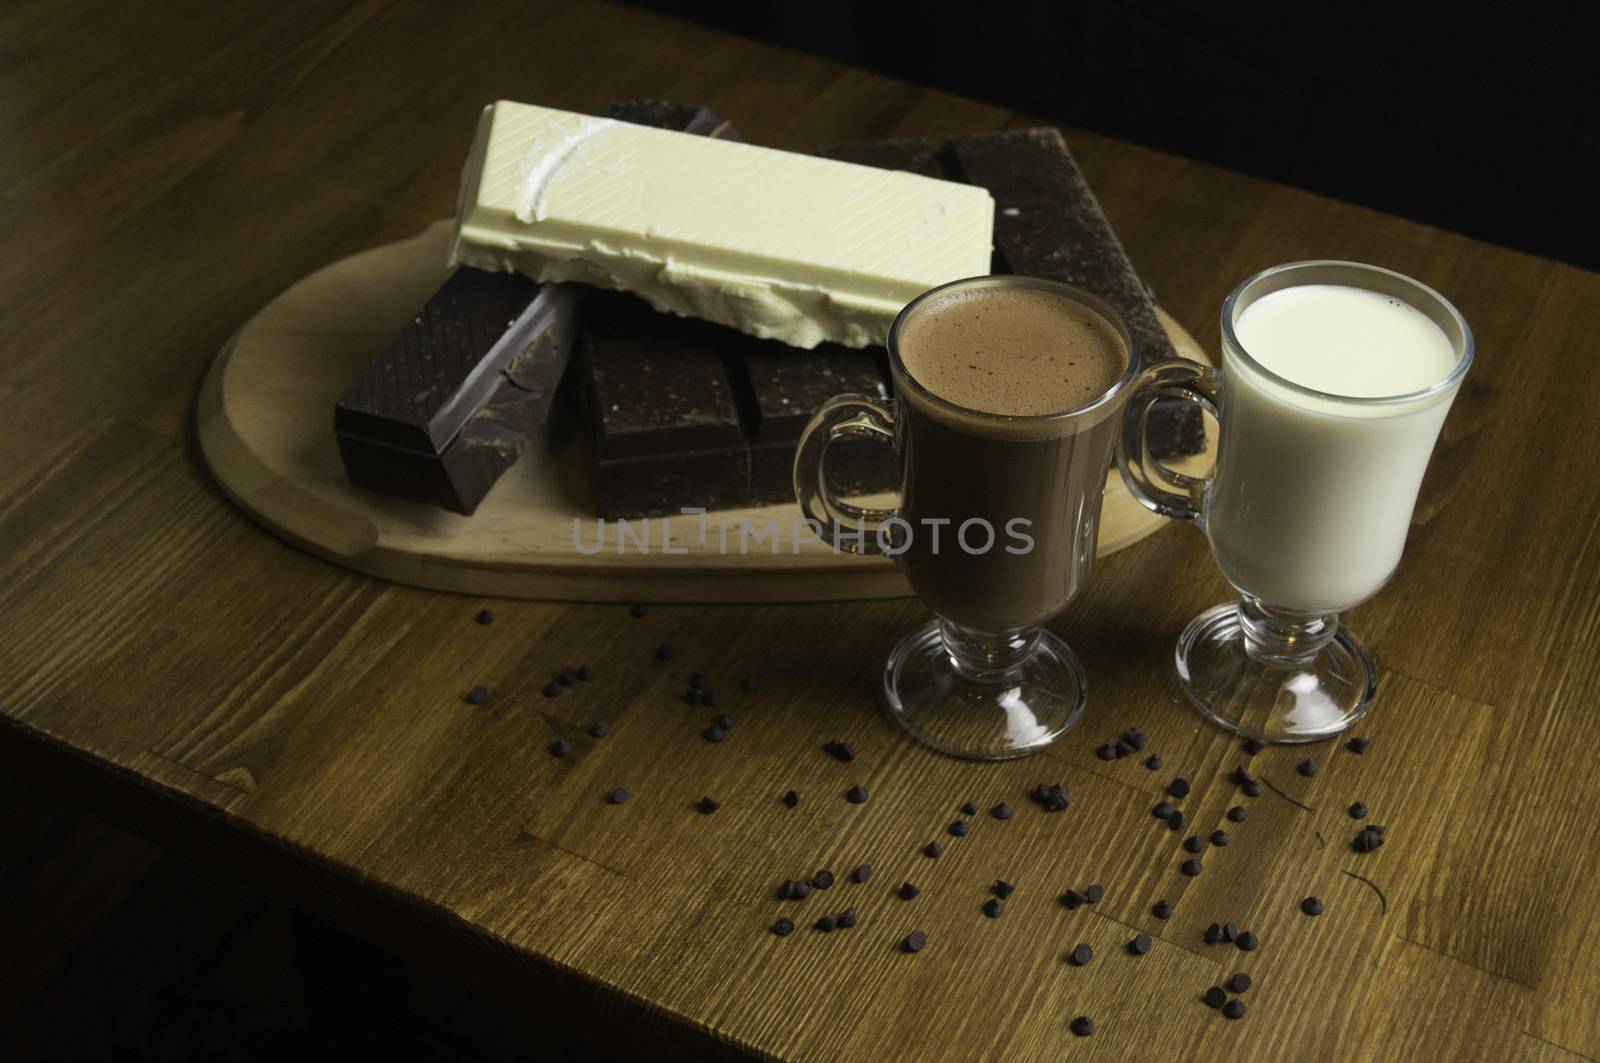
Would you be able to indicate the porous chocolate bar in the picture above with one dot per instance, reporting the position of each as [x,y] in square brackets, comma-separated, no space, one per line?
[1049,224]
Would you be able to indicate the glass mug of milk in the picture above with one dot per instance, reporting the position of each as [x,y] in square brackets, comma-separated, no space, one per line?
[1335,381]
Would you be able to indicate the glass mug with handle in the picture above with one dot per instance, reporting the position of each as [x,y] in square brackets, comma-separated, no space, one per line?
[1008,390]
[1335,381]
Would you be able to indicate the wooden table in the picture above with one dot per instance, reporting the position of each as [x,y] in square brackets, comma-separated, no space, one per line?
[171,665]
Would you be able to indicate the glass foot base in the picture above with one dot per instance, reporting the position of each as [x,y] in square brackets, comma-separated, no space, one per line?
[984,715]
[1303,702]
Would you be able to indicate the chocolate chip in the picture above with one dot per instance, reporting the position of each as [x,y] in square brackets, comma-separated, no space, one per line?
[1052,797]
[786,890]
[1253,789]
[619,795]
[1135,738]
[1248,941]
[585,673]
[1215,997]
[784,926]
[1163,809]
[637,611]
[553,689]
[1242,777]
[908,891]
[1213,933]
[823,879]
[1082,955]
[791,798]
[846,919]
[1230,931]
[479,695]
[1140,944]
[827,923]
[599,729]
[1377,828]
[1367,840]
[1177,820]
[691,696]
[862,873]
[1153,762]
[1095,893]
[1003,889]
[1072,899]
[1121,749]
[840,750]
[1190,867]
[959,828]
[856,795]
[1161,909]
[1001,811]
[1106,752]
[484,616]
[1358,745]
[1233,1009]
[708,805]
[1239,983]
[1358,811]
[697,680]
[709,699]
[1178,787]
[933,850]
[560,747]
[724,721]
[664,652]
[1307,767]
[994,908]
[800,890]
[567,676]
[1083,1026]
[1193,844]
[915,941]
[969,808]
[1311,906]
[1220,838]
[1237,814]
[747,685]
[1253,746]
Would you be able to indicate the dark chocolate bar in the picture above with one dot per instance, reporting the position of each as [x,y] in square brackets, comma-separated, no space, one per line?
[1049,224]
[911,154]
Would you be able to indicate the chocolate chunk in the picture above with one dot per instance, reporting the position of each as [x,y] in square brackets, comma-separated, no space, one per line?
[708,805]
[969,808]
[826,923]
[663,114]
[1311,906]
[599,730]
[933,850]
[1253,746]
[783,927]
[841,751]
[862,873]
[1074,898]
[908,891]
[713,734]
[1177,820]
[1153,761]
[959,828]
[1358,745]
[823,879]
[618,796]
[1220,838]
[485,616]
[791,798]
[1234,1009]
[1161,909]
[1247,941]
[1003,889]
[1307,767]
[1237,814]
[1001,811]
[856,795]
[637,610]
[1140,944]
[1082,1026]
[1239,983]
[1215,997]
[553,689]
[1358,811]
[847,919]
[1193,844]
[994,908]
[1213,933]
[1082,955]
[1190,867]
[478,695]
[1178,787]
[915,941]
[560,747]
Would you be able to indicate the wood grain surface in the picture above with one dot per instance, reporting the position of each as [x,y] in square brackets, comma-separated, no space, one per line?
[262,422]
[165,661]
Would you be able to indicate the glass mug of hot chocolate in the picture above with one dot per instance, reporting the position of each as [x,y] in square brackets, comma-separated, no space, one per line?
[1335,381]
[1008,394]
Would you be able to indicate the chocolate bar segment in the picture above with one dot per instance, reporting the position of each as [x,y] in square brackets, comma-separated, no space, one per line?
[1049,224]
[664,114]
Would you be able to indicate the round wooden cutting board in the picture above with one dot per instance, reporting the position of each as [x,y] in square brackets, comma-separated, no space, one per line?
[266,428]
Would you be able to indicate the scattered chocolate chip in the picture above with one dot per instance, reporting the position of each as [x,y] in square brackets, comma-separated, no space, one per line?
[1177,820]
[1052,797]
[1215,997]
[840,750]
[1253,788]
[1178,787]
[1095,893]
[484,616]
[560,747]
[1358,745]
[553,689]
[915,941]
[1082,955]
[709,699]
[637,611]
[908,891]
[599,729]
[1135,738]
[1233,1009]
[664,652]
[1121,749]
[784,926]
[1163,809]
[1106,752]
[619,795]
[1358,811]
[1161,909]
[1213,933]
[994,908]
[1003,889]
[856,795]
[827,923]
[1140,944]
[1072,899]
[1237,814]
[846,919]
[747,685]
[1311,906]
[791,798]
[1367,840]
[786,890]
[1247,941]
[1239,983]
[959,828]
[585,673]
[1193,844]
[1190,867]
[969,808]
[479,695]
[823,879]
[708,805]
[1220,838]
[1083,1026]
[1241,776]
[1230,931]
[1253,746]
[1154,762]
[933,850]
[1307,767]
[724,721]
[1377,828]
[800,890]
[862,873]
[567,676]
[1001,811]
[691,696]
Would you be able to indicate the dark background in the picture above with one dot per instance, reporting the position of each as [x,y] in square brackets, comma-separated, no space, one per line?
[1481,118]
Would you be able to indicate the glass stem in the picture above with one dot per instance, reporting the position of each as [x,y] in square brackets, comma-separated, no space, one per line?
[1283,638]
[984,654]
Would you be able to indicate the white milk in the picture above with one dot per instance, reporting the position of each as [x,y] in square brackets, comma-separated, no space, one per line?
[1313,495]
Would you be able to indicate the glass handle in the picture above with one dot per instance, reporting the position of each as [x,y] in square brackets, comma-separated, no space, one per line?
[1158,488]
[838,418]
